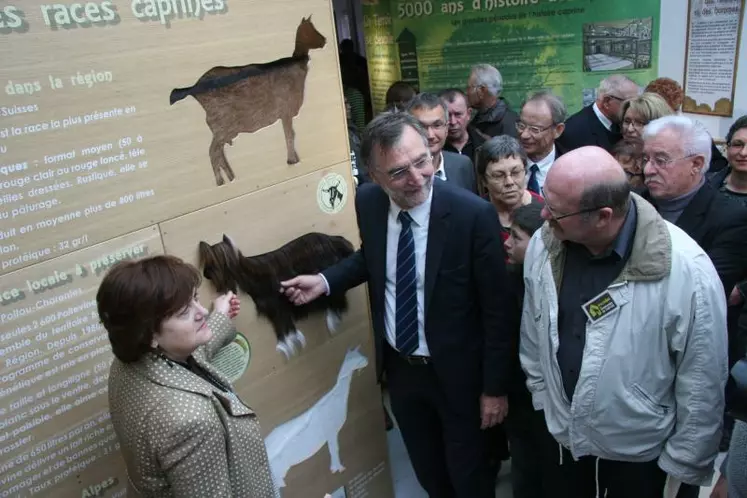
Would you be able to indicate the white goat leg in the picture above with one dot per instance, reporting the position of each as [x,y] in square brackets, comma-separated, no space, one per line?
[333,321]
[282,347]
[299,338]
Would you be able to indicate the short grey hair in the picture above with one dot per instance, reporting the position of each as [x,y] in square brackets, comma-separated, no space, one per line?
[428,101]
[612,85]
[611,194]
[497,148]
[557,108]
[695,139]
[489,77]
[385,132]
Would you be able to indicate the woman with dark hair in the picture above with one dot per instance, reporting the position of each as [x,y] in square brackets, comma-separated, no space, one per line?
[183,430]
[502,170]
[732,180]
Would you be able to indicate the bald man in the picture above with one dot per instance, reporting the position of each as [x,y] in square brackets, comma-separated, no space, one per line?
[623,338]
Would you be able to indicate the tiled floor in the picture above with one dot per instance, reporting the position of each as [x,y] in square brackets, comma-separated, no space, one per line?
[406,486]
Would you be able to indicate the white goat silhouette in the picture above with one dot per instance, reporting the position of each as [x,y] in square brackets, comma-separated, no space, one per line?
[300,438]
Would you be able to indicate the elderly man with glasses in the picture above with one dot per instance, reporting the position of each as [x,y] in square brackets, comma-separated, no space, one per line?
[677,153]
[540,124]
[623,339]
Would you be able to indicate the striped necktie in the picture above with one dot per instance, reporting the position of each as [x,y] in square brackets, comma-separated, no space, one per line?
[406,316]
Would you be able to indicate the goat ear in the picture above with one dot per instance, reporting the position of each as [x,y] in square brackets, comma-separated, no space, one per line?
[204,249]
[229,241]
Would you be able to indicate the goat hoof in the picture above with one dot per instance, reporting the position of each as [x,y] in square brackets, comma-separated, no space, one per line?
[283,348]
[290,344]
[299,338]
[333,321]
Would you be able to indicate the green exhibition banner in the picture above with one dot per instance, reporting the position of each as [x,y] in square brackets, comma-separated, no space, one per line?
[567,46]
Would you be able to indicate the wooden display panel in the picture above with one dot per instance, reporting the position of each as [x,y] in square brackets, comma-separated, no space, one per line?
[280,389]
[90,146]
[55,433]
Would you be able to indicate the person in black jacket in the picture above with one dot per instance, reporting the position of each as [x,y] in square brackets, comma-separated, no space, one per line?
[599,123]
[524,425]
[444,386]
[493,116]
[676,156]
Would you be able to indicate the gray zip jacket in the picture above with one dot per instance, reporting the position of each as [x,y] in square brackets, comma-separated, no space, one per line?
[654,367]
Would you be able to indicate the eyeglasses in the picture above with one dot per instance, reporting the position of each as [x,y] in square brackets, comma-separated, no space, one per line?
[399,173]
[438,125]
[615,97]
[558,217]
[737,145]
[500,176]
[533,130]
[663,161]
[638,125]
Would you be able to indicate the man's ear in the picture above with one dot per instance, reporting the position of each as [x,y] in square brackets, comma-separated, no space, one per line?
[559,129]
[698,165]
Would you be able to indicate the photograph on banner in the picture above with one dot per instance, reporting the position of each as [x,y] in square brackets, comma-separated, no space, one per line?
[567,47]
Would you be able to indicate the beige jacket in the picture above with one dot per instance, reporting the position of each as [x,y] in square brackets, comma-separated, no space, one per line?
[180,435]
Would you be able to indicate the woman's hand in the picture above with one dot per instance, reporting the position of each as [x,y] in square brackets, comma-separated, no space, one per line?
[228,304]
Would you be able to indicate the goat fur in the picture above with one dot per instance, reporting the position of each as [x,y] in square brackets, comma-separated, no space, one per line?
[244,99]
[260,276]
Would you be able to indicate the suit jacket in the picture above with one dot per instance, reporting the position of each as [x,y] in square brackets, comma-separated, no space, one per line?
[182,436]
[460,171]
[719,225]
[467,301]
[584,128]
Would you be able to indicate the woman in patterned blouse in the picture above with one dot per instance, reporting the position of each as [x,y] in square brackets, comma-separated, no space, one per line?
[183,430]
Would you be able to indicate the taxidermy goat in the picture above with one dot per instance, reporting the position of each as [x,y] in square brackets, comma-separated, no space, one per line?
[260,276]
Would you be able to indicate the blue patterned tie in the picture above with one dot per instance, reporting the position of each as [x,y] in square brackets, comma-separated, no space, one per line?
[533,184]
[406,316]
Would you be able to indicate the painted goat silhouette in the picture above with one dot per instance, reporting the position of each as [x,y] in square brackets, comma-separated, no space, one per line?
[300,438]
[244,99]
[260,277]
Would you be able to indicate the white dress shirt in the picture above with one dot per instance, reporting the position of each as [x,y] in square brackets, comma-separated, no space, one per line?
[441,171]
[544,165]
[602,118]
[420,221]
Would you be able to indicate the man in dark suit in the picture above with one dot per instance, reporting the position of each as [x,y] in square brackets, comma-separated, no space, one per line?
[435,267]
[433,116]
[677,152]
[539,126]
[599,123]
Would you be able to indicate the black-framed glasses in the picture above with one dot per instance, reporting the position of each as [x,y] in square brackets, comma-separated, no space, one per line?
[534,130]
[558,217]
[615,97]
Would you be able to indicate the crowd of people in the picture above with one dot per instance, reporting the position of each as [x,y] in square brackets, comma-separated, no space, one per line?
[625,307]
[566,290]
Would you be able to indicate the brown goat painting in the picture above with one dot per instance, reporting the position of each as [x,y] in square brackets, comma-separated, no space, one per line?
[244,99]
[260,276]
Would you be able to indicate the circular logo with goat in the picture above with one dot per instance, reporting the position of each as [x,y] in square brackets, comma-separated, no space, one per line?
[233,359]
[332,193]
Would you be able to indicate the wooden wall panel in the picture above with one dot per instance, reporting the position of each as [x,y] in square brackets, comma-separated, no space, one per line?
[280,389]
[96,163]
[116,155]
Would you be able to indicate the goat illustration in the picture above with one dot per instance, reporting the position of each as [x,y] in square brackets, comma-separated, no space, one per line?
[300,438]
[260,276]
[334,194]
[244,99]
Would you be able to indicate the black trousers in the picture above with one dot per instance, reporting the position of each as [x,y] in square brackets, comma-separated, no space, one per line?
[590,477]
[443,438]
[530,445]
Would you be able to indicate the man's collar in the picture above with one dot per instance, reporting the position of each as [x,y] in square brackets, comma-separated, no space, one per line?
[623,243]
[545,163]
[419,214]
[440,162]
[602,118]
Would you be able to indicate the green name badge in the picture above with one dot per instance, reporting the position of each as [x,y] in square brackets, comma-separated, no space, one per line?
[599,306]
